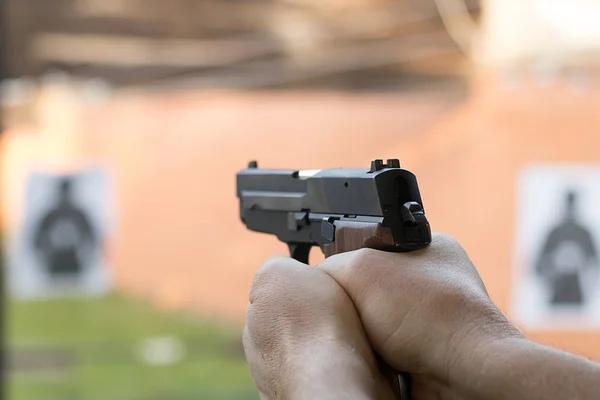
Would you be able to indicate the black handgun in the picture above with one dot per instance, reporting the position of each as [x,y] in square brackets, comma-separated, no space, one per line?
[338,210]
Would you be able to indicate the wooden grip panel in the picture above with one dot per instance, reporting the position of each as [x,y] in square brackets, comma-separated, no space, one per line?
[351,236]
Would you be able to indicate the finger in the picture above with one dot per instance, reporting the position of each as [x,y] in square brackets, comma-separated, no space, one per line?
[304,337]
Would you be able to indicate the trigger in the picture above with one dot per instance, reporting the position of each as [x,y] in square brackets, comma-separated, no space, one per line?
[300,251]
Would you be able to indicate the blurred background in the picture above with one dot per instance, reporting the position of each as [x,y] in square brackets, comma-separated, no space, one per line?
[125,264]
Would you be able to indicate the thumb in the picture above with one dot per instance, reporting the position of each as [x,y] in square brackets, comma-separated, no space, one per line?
[416,307]
[304,339]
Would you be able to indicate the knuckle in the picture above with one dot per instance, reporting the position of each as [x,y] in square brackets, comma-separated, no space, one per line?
[363,258]
[266,280]
[444,244]
[444,240]
[360,268]
[272,294]
[269,268]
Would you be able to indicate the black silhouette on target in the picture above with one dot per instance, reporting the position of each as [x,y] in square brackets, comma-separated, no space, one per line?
[64,238]
[568,253]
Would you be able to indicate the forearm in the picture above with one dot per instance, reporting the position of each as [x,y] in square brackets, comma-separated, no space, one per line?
[516,368]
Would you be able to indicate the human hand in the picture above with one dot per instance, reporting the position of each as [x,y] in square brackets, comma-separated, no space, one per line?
[423,312]
[304,340]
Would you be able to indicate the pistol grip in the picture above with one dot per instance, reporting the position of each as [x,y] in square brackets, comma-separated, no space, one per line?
[351,236]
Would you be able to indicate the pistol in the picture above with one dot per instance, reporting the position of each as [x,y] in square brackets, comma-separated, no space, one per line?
[339,210]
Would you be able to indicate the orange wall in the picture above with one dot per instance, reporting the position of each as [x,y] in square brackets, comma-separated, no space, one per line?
[179,238]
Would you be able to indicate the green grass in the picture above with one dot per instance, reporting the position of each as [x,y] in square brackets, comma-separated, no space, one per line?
[102,338]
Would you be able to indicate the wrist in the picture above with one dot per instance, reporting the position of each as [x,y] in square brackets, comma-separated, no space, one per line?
[485,343]
[485,332]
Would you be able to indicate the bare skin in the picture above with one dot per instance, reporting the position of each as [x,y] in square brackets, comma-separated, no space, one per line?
[311,333]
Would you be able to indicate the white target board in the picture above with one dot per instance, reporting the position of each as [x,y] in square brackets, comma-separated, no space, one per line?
[556,267]
[59,249]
